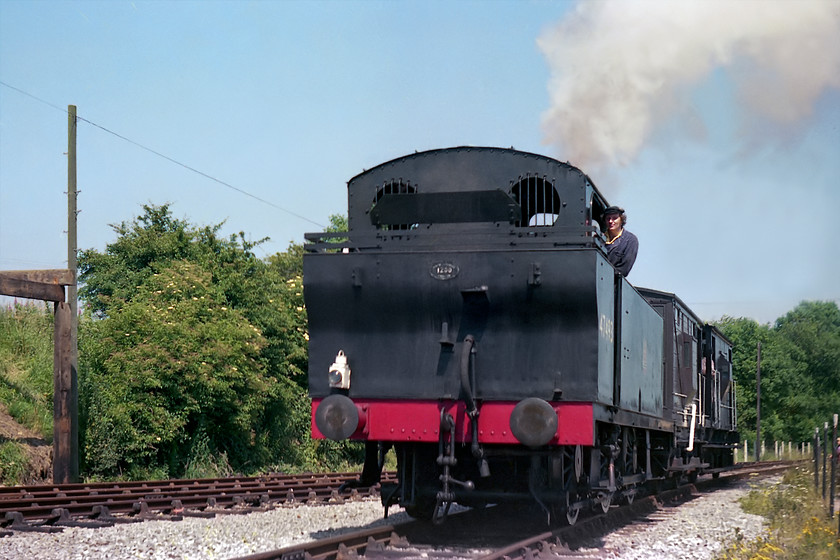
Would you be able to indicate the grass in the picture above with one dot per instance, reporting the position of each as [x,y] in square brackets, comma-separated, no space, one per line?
[13,463]
[798,524]
[26,366]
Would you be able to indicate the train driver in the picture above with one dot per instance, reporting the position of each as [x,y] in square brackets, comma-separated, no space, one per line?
[622,245]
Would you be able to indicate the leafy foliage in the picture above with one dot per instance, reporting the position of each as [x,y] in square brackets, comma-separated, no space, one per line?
[197,360]
[173,361]
[800,371]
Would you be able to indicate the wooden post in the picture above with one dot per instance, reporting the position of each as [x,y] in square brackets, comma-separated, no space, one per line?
[826,451]
[65,402]
[758,444]
[69,422]
[72,245]
[834,460]
[817,459]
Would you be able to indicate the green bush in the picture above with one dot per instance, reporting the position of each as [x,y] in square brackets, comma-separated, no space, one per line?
[173,363]
[194,358]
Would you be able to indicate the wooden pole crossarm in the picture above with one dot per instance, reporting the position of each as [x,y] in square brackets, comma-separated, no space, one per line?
[47,285]
[60,276]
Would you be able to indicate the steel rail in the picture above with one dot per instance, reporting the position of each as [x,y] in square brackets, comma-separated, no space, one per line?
[544,543]
[27,507]
[342,546]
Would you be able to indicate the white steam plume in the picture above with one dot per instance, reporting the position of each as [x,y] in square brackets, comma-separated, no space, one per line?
[620,68]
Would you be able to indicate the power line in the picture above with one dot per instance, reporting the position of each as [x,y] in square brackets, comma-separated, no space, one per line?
[172,160]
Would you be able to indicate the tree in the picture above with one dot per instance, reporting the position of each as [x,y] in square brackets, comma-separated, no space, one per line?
[193,355]
[812,332]
[745,335]
[800,371]
[197,354]
[150,243]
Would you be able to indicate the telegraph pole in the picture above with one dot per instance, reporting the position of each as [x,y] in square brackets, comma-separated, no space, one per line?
[65,374]
[72,292]
[72,244]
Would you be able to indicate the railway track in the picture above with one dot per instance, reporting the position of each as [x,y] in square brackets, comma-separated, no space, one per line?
[465,535]
[50,508]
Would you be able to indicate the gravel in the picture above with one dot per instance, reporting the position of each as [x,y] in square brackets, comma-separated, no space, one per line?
[225,536]
[694,531]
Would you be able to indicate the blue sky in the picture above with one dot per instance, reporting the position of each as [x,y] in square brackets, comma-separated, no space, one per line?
[736,211]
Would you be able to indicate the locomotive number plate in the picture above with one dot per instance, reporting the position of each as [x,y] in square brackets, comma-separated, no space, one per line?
[444,271]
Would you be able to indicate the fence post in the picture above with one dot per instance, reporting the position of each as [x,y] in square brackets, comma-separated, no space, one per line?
[834,460]
[816,459]
[825,456]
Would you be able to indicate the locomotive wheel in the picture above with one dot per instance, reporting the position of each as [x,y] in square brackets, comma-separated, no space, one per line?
[571,513]
[419,480]
[568,470]
[629,452]
[605,501]
[422,508]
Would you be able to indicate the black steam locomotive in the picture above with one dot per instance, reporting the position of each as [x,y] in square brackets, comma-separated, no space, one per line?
[470,320]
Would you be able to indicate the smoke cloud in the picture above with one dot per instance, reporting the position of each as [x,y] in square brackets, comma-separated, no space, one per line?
[621,69]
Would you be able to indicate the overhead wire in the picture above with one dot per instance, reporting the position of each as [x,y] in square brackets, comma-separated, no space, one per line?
[170,159]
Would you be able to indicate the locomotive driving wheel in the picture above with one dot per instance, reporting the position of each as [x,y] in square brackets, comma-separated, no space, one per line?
[422,508]
[629,457]
[604,500]
[572,513]
[629,452]
[418,480]
[569,470]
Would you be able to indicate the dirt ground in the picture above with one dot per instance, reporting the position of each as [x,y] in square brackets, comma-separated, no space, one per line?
[38,451]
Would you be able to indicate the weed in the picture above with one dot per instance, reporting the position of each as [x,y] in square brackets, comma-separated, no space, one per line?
[203,463]
[799,528]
